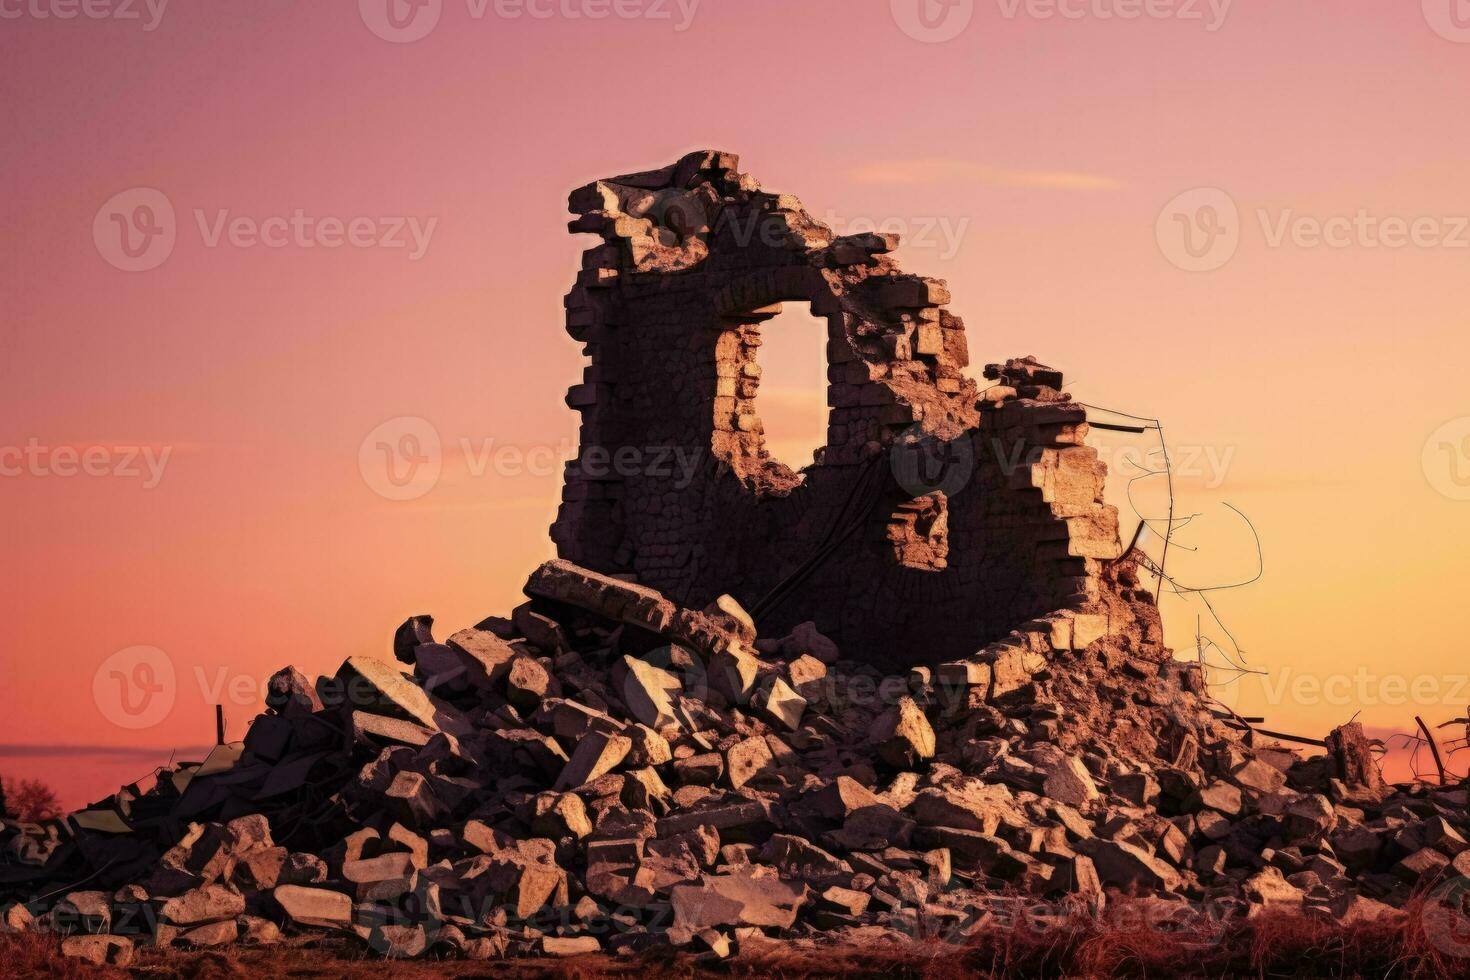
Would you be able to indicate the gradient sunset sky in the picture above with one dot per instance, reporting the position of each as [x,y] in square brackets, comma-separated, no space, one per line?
[1038,163]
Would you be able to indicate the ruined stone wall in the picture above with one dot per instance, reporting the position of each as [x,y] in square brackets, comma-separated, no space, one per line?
[936,519]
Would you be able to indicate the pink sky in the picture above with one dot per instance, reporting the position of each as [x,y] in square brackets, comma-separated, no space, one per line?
[1028,158]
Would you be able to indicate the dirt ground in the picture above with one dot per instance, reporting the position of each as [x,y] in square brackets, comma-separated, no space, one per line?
[1409,946]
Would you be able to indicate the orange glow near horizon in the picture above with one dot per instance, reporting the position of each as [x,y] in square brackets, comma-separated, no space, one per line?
[365,231]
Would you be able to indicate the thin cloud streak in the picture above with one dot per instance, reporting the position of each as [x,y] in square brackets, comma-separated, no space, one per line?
[933,171]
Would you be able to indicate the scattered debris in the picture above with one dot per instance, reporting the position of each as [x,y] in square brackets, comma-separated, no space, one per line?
[611,769]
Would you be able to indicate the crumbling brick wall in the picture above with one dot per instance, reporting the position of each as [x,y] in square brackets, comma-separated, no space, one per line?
[937,518]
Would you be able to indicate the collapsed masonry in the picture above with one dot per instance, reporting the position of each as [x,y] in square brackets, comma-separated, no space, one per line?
[616,768]
[935,520]
[606,771]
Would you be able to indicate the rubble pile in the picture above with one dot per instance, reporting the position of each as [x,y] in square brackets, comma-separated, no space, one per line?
[607,771]
[962,698]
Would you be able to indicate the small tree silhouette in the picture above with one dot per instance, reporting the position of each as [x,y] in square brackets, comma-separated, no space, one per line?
[28,800]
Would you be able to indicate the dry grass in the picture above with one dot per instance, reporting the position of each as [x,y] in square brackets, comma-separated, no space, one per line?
[1279,945]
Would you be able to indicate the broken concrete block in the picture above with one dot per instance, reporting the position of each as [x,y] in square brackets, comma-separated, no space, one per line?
[1220,797]
[289,693]
[1077,631]
[1310,816]
[730,607]
[1352,757]
[1269,891]
[596,755]
[649,747]
[99,950]
[649,692]
[1068,781]
[1424,862]
[415,632]
[211,934]
[527,683]
[746,896]
[903,735]
[208,903]
[968,805]
[704,769]
[799,859]
[255,931]
[314,907]
[484,656]
[15,918]
[1437,833]
[737,822]
[1127,866]
[570,945]
[411,801]
[376,684]
[1259,777]
[1008,671]
[644,789]
[608,597]
[383,730]
[840,798]
[778,704]
[261,869]
[844,900]
[82,911]
[558,815]
[1137,788]
[748,759]
[806,674]
[734,673]
[398,942]
[540,631]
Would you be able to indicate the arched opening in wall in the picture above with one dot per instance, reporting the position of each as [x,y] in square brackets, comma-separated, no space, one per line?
[792,402]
